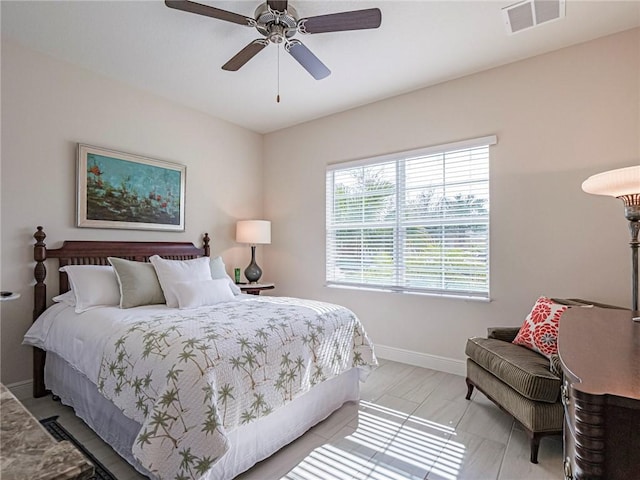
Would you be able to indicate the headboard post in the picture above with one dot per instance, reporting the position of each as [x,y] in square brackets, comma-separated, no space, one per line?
[39,305]
[207,248]
[39,273]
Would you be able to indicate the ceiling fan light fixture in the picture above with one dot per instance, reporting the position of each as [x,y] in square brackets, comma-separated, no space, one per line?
[276,33]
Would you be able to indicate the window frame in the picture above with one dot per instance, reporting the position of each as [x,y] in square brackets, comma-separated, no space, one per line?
[399,258]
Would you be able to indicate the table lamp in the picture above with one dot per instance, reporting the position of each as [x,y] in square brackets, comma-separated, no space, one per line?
[253,232]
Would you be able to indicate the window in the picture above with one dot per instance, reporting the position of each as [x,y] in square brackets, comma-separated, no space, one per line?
[412,222]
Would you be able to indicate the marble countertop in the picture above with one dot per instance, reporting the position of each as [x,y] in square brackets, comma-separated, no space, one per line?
[29,452]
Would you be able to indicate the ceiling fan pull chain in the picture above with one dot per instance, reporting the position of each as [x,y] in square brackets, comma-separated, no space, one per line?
[278,96]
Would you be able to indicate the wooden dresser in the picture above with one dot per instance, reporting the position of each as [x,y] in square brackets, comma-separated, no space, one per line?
[600,354]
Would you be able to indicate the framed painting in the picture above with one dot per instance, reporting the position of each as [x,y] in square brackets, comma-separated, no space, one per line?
[120,190]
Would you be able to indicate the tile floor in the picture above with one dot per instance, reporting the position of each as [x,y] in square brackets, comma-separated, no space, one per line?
[411,423]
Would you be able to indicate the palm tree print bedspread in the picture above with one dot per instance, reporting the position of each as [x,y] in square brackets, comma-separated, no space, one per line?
[190,376]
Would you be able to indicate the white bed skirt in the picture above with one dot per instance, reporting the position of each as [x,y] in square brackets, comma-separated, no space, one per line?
[249,444]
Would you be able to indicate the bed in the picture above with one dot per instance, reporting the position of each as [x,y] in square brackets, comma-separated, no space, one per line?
[205,391]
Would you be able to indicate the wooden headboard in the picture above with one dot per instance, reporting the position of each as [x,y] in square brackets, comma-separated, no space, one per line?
[93,253]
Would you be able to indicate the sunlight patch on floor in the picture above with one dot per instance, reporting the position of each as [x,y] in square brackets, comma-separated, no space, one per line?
[449,462]
[386,445]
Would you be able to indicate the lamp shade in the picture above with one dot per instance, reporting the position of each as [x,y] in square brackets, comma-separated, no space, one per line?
[253,232]
[623,181]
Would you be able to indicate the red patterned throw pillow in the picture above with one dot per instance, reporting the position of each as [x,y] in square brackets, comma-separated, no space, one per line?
[539,332]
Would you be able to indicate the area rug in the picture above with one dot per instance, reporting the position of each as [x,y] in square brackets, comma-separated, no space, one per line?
[58,432]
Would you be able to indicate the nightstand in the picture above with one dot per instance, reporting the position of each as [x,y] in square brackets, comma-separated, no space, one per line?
[255,288]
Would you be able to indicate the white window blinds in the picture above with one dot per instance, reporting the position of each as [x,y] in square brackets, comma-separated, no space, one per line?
[416,221]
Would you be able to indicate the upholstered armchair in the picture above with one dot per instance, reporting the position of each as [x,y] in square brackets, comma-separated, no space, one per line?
[522,382]
[518,380]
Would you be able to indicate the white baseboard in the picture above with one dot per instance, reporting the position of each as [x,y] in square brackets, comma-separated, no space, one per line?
[21,390]
[425,360]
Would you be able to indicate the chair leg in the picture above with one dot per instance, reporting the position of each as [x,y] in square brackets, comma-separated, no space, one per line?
[534,437]
[469,389]
[535,444]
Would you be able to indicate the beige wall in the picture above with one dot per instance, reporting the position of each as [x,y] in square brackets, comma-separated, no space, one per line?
[559,118]
[47,107]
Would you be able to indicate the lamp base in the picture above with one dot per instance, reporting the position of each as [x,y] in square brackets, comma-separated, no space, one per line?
[253,272]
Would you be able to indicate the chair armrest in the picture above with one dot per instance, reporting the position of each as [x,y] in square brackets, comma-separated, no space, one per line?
[555,366]
[596,304]
[506,334]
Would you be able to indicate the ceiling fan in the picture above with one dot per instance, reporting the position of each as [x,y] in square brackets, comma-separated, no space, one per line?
[278,22]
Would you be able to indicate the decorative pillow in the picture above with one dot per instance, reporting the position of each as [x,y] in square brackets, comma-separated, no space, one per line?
[219,270]
[539,332]
[202,293]
[171,272]
[138,283]
[93,286]
[68,298]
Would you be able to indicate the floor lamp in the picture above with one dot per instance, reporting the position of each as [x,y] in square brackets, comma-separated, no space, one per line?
[623,183]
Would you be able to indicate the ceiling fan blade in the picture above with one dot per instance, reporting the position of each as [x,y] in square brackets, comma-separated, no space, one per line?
[307,59]
[213,12]
[244,55]
[277,5]
[339,22]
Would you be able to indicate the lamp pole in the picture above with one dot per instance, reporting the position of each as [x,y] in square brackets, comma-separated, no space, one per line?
[632,213]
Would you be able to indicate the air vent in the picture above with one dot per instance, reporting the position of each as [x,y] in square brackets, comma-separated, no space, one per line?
[531,13]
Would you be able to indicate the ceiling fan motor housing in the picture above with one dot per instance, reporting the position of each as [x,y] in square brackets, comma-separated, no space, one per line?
[276,26]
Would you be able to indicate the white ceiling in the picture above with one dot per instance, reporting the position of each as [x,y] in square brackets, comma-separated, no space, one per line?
[178,55]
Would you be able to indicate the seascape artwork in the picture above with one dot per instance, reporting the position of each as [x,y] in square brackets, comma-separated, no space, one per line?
[129,192]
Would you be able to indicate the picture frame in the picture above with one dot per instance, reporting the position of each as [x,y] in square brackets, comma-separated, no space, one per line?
[126,191]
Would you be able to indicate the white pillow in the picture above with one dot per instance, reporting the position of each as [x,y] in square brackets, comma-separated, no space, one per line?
[68,298]
[171,272]
[218,270]
[93,286]
[202,293]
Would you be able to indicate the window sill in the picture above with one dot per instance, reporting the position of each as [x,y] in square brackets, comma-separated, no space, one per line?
[409,292]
